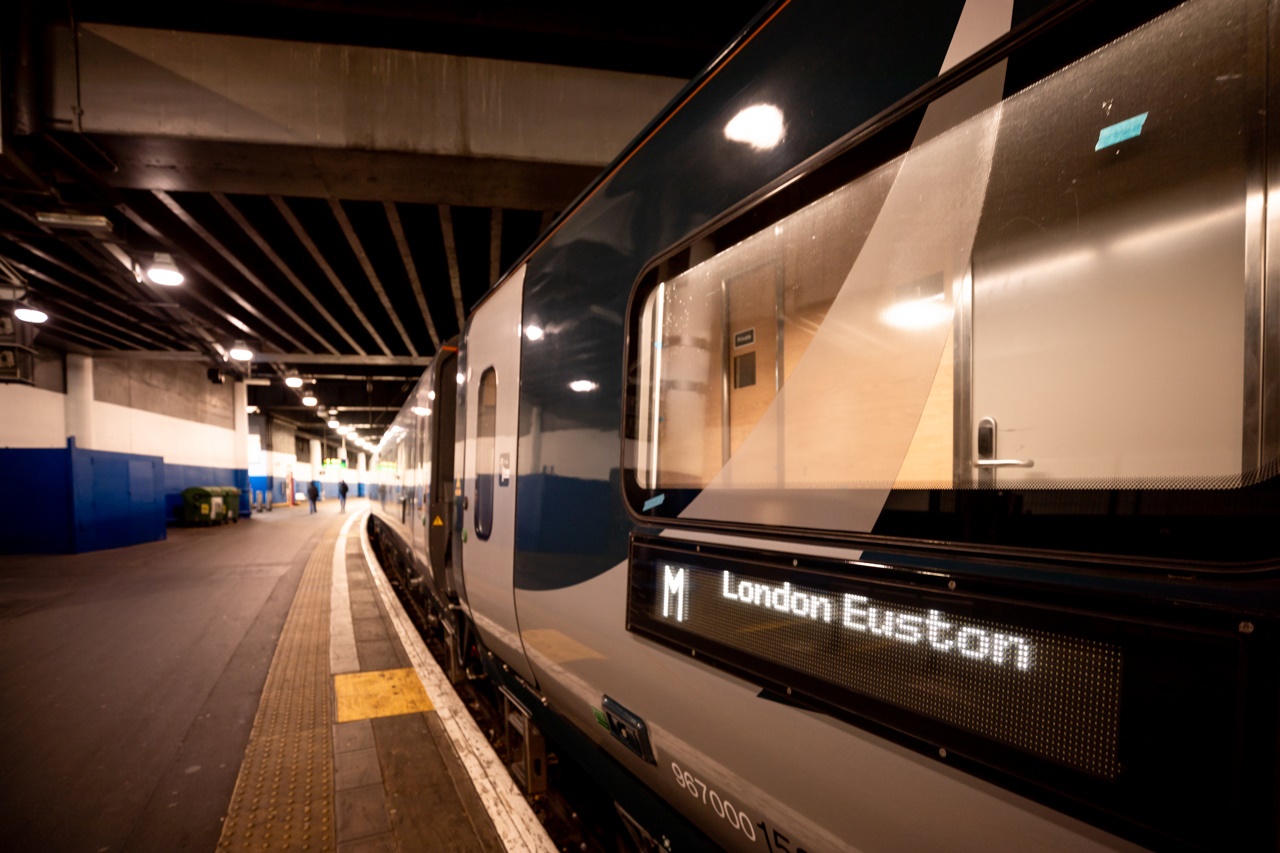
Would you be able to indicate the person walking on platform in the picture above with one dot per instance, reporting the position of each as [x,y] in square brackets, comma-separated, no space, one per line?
[312,494]
[342,496]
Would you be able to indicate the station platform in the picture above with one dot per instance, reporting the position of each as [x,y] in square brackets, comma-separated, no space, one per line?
[254,686]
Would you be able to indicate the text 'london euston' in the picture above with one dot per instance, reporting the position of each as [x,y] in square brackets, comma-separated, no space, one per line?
[934,629]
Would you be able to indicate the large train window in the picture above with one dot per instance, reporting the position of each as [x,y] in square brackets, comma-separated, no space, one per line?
[1045,309]
[486,448]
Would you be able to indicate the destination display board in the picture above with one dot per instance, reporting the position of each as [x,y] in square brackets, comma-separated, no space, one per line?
[979,666]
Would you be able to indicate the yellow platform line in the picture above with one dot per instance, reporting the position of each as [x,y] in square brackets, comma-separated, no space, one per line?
[283,798]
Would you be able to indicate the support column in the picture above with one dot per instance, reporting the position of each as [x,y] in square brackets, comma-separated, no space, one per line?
[79,402]
[361,468]
[316,461]
[240,451]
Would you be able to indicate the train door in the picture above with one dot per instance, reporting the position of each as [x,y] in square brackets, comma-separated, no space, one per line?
[440,518]
[1112,271]
[492,380]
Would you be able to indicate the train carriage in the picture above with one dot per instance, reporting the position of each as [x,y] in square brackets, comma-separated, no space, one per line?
[882,453]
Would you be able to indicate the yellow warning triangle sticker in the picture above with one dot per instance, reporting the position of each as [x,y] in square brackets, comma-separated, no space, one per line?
[437,522]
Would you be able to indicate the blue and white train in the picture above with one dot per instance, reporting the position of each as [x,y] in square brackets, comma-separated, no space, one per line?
[881,454]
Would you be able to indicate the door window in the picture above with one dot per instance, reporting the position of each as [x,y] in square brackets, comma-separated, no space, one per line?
[486,450]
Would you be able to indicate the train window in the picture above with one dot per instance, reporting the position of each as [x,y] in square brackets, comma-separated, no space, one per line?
[486,459]
[1049,298]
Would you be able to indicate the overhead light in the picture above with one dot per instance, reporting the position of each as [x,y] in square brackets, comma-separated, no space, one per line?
[240,351]
[333,423]
[583,385]
[533,333]
[164,271]
[83,221]
[759,125]
[343,430]
[420,411]
[253,410]
[308,400]
[461,378]
[27,314]
[431,395]
[332,410]
[293,380]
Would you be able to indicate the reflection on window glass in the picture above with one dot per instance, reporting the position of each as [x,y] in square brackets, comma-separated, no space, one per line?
[486,463]
[1069,263]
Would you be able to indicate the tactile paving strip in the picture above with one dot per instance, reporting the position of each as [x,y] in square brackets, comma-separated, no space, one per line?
[283,798]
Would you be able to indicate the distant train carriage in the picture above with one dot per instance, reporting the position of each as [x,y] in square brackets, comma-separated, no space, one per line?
[882,453]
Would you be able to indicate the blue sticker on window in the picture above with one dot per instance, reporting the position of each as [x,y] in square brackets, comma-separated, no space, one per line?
[1120,131]
[654,501]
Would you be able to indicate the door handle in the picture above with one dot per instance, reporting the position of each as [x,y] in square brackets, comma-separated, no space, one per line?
[1005,463]
[987,463]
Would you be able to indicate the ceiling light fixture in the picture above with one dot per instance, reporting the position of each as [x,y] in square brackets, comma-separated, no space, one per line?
[308,400]
[333,423]
[583,385]
[293,380]
[83,221]
[420,411]
[164,271]
[240,351]
[27,314]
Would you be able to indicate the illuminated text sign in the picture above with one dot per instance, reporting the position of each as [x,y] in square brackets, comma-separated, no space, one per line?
[846,640]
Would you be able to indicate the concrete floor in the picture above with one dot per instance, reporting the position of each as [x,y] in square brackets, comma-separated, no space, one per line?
[129,680]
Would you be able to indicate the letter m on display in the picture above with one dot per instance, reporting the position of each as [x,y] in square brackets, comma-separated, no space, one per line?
[673,587]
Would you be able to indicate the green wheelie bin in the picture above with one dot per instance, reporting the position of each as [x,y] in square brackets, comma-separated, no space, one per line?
[199,506]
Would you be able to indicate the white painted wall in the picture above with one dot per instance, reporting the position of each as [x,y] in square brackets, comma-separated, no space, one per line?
[180,442]
[32,417]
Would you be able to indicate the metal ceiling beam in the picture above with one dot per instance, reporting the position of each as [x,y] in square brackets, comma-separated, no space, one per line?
[339,409]
[216,280]
[94,332]
[172,315]
[265,247]
[301,233]
[86,343]
[94,258]
[89,177]
[212,165]
[35,273]
[356,377]
[235,322]
[451,255]
[203,233]
[90,280]
[354,240]
[64,305]
[293,358]
[203,85]
[406,257]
